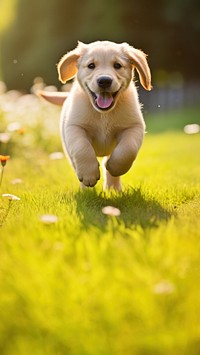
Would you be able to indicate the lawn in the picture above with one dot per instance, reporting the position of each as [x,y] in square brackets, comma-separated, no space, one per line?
[90,283]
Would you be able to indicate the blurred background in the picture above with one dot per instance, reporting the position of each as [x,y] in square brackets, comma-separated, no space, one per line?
[36,34]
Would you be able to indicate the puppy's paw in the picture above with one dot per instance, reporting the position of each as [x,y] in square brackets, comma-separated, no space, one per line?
[89,175]
[118,167]
[114,168]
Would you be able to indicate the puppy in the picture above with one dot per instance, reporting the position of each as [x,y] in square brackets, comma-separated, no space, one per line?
[101,115]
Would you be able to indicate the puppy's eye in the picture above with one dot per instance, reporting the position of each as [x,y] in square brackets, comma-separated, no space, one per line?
[117,65]
[91,66]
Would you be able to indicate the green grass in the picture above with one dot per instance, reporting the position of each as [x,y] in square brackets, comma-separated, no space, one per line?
[92,284]
[173,120]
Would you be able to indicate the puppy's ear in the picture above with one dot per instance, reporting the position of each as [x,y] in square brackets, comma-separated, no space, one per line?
[138,60]
[67,67]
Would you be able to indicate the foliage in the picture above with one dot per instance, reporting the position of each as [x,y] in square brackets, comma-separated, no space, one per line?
[42,33]
[7,13]
[174,120]
[91,283]
[56,29]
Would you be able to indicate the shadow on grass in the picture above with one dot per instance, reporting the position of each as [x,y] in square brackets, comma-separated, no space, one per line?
[136,209]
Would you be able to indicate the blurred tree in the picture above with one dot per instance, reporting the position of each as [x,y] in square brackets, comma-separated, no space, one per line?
[168,30]
[183,19]
[102,21]
[7,13]
[44,30]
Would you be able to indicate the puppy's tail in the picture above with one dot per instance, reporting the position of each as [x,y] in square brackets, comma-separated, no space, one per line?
[56,98]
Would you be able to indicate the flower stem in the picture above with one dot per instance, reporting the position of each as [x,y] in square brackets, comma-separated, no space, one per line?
[1,178]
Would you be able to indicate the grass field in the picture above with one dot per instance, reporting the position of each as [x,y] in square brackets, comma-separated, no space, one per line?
[95,284]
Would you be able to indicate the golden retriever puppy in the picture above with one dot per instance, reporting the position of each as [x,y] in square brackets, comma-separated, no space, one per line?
[101,115]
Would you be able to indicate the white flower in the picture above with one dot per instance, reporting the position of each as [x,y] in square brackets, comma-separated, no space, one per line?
[14,126]
[48,219]
[192,128]
[16,181]
[56,156]
[111,211]
[11,197]
[164,287]
[4,137]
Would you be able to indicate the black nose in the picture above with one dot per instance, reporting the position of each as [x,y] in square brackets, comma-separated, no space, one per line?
[104,82]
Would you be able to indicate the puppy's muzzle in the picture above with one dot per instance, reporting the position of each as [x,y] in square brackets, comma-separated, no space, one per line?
[104,82]
[104,98]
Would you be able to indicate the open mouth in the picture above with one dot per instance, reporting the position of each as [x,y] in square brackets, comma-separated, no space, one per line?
[103,100]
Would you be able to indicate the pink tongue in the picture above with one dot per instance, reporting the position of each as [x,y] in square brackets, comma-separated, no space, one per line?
[104,100]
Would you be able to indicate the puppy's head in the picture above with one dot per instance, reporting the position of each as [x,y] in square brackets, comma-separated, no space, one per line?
[104,70]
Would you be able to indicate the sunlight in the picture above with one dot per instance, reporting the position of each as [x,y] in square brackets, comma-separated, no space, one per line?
[7,13]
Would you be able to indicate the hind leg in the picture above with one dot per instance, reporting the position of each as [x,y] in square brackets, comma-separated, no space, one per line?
[110,182]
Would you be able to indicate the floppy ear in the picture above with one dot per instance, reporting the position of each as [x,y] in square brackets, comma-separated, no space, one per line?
[67,68]
[138,59]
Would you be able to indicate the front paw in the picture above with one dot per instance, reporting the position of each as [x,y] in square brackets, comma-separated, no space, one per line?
[89,176]
[117,167]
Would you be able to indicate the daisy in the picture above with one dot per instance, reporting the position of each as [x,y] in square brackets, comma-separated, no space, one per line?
[111,211]
[11,197]
[48,219]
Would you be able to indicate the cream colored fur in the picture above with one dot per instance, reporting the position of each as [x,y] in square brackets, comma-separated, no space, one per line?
[98,121]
